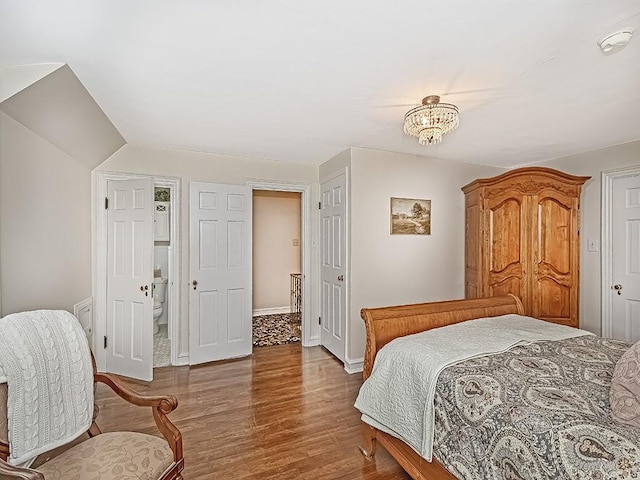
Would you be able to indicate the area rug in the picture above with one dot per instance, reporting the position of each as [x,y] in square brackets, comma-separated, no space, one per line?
[276,329]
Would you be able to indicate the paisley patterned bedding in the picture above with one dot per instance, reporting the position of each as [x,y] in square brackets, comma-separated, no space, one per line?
[536,412]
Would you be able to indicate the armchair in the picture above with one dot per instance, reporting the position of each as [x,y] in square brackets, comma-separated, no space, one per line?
[109,455]
[50,379]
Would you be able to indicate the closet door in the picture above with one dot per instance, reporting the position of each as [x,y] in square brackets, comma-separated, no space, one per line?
[555,243]
[506,245]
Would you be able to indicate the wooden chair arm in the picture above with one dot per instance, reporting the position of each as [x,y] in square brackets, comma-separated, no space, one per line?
[10,471]
[161,406]
[168,403]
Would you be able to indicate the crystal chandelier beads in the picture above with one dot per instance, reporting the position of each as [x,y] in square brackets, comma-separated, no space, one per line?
[430,136]
[431,120]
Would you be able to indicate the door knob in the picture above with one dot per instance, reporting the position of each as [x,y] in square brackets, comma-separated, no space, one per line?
[195,284]
[341,278]
[618,288]
[145,289]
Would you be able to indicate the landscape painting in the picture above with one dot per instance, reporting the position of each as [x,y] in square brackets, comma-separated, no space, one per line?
[410,216]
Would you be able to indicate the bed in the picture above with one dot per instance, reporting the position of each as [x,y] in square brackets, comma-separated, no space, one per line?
[622,451]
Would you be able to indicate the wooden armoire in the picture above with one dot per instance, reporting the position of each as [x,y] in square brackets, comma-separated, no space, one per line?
[523,237]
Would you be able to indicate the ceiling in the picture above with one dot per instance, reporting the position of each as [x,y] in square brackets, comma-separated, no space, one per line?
[302,81]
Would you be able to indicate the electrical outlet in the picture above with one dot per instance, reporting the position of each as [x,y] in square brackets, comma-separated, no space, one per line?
[295,242]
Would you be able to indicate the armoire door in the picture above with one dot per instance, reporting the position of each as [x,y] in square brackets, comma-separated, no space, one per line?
[507,243]
[554,285]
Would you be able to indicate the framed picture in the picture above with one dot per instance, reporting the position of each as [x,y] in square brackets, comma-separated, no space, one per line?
[410,216]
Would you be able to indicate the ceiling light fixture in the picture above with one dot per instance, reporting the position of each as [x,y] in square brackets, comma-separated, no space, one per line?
[431,120]
[615,41]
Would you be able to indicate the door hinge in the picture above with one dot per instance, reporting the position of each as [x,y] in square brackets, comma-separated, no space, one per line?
[319,320]
[105,341]
[319,205]
[106,203]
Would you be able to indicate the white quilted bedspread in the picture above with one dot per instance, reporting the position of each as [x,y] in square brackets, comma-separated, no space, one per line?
[46,363]
[398,397]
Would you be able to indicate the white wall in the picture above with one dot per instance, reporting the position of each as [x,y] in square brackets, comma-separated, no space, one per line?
[45,228]
[205,167]
[397,269]
[593,163]
[276,224]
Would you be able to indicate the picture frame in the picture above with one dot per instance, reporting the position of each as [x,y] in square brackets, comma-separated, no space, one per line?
[410,216]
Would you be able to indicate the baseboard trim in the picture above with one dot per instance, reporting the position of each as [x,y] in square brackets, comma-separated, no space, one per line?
[353,366]
[183,359]
[271,311]
[313,342]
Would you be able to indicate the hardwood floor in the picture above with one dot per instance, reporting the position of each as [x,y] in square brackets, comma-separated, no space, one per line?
[286,412]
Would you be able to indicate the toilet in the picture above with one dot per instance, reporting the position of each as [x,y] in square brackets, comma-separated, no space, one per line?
[159,297]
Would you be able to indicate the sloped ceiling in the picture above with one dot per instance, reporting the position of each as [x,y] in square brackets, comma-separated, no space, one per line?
[59,109]
[17,78]
[302,81]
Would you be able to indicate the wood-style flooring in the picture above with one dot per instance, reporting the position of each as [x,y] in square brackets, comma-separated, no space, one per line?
[285,412]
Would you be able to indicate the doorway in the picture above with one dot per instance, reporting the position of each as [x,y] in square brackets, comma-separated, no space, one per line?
[620,259]
[142,365]
[277,261]
[308,336]
[165,273]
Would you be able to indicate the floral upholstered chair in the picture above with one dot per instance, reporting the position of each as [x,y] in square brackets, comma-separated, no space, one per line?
[47,403]
[109,455]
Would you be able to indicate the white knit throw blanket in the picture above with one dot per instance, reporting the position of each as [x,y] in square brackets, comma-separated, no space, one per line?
[46,363]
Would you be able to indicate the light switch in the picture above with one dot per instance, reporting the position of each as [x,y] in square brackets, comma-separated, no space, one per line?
[593,245]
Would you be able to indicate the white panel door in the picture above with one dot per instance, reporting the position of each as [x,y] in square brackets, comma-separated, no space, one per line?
[220,302]
[625,245]
[129,339]
[333,307]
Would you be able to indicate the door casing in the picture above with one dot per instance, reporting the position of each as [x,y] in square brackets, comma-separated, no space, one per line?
[310,335]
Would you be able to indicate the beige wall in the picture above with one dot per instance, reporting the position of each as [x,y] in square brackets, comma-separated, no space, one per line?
[52,133]
[276,224]
[335,164]
[593,164]
[410,269]
[390,269]
[45,228]
[204,167]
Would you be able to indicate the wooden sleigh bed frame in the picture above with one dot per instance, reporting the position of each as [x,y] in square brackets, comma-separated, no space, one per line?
[386,323]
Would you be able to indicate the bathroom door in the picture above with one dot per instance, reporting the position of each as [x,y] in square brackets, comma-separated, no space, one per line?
[129,327]
[220,299]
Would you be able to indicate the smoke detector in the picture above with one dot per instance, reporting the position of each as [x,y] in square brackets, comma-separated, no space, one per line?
[615,41]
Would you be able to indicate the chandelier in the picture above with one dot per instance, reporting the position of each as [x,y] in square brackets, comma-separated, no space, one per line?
[431,120]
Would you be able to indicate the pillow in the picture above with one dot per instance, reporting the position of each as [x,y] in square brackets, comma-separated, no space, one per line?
[625,388]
